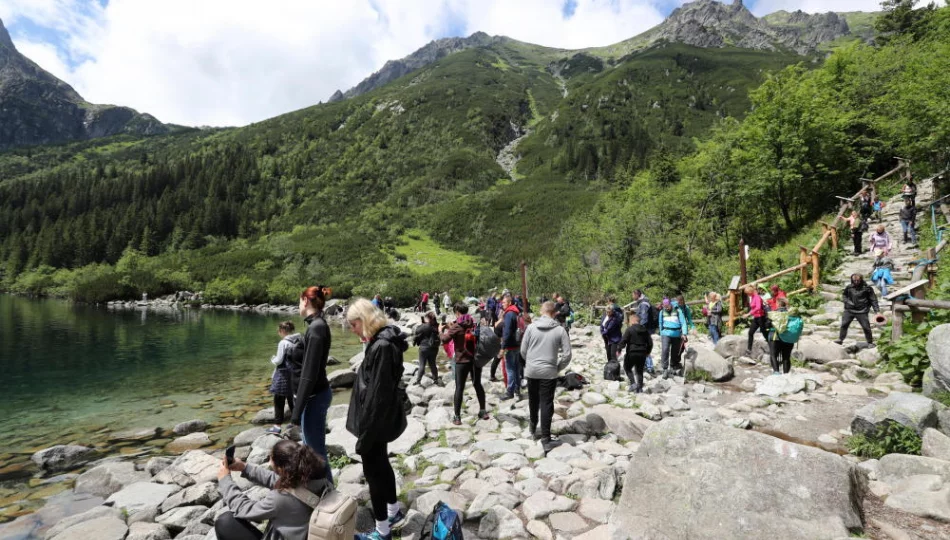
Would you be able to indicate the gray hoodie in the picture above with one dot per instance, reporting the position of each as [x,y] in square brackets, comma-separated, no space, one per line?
[546,349]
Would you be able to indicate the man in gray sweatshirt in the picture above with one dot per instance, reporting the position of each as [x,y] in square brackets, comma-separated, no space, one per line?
[546,348]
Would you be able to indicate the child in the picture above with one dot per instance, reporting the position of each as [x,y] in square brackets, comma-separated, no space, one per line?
[882,274]
[282,380]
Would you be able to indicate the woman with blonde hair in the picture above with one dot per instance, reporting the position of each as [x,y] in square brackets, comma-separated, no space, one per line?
[376,415]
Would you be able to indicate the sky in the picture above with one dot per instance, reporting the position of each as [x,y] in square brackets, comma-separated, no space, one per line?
[234,62]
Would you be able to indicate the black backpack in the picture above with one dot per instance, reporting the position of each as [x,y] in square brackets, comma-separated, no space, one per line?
[654,319]
[572,381]
[489,345]
[293,356]
[612,371]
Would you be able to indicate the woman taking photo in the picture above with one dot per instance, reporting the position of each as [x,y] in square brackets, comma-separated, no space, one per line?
[376,415]
[313,390]
[288,518]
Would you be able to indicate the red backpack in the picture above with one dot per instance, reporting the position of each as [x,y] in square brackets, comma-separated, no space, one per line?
[470,343]
[522,326]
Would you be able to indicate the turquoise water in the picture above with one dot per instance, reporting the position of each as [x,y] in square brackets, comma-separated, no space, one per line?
[72,369]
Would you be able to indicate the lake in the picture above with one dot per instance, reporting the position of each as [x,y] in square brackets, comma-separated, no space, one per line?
[76,373]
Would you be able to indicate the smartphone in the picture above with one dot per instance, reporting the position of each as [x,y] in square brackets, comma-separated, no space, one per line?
[229,454]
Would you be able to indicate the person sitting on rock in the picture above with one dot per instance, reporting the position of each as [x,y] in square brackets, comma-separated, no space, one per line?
[294,466]
[638,345]
[858,298]
[546,348]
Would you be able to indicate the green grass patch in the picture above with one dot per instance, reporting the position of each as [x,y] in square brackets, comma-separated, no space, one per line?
[423,255]
[890,438]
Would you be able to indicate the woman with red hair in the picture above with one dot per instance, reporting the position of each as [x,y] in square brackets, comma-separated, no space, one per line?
[313,391]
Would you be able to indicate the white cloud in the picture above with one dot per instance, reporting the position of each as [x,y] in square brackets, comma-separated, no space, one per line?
[231,62]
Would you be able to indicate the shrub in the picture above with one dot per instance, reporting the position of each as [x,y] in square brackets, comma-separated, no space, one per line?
[889,438]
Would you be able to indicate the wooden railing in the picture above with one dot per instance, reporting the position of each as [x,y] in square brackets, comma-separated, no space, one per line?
[809,262]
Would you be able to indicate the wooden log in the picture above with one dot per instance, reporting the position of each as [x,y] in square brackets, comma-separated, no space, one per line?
[733,309]
[906,289]
[780,273]
[803,262]
[821,242]
[897,324]
[815,271]
[911,309]
[925,303]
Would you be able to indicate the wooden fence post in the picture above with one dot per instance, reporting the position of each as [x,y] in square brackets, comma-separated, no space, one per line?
[897,321]
[803,259]
[815,266]
[931,270]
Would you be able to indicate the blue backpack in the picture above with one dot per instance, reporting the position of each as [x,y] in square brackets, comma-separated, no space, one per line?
[442,524]
[793,331]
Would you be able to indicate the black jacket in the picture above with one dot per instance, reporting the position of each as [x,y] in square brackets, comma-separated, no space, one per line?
[376,413]
[313,375]
[426,337]
[859,299]
[637,340]
[908,213]
[562,311]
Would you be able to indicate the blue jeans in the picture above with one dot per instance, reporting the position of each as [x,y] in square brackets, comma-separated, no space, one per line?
[313,425]
[714,334]
[882,283]
[513,368]
[908,228]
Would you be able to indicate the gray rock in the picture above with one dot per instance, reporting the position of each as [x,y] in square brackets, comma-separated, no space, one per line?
[197,465]
[62,457]
[437,419]
[544,503]
[500,494]
[195,529]
[781,385]
[101,528]
[342,378]
[735,346]
[446,457]
[179,518]
[935,445]
[500,522]
[703,359]
[135,435]
[820,350]
[95,512]
[539,530]
[593,398]
[929,504]
[551,468]
[205,494]
[912,410]
[106,479]
[498,447]
[415,432]
[266,416]
[141,495]
[809,494]
[893,468]
[339,440]
[148,531]
[596,510]
[624,423]
[193,441]
[426,502]
[938,350]
[248,436]
[157,464]
[191,426]
[567,522]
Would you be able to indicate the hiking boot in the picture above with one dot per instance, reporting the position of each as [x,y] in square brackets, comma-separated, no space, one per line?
[506,396]
[439,382]
[550,444]
[639,389]
[838,341]
[666,374]
[519,395]
[457,421]
[632,388]
[533,433]
[776,373]
[483,415]
[418,381]
[398,518]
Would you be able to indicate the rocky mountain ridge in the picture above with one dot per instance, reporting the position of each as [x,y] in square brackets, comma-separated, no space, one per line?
[703,23]
[38,108]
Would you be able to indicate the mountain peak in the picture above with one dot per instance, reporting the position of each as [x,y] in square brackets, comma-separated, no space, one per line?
[5,40]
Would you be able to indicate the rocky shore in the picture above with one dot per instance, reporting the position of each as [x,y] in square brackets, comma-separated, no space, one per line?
[735,451]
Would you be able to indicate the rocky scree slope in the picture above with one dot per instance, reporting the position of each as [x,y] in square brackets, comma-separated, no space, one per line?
[38,108]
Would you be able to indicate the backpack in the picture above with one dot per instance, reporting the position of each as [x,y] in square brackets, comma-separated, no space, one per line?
[522,326]
[572,381]
[489,345]
[612,371]
[653,321]
[793,330]
[334,514]
[442,524]
[293,356]
[470,342]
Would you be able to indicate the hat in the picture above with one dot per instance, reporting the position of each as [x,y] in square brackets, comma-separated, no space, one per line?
[666,302]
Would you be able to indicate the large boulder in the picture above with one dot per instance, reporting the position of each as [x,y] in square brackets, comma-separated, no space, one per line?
[205,494]
[820,350]
[342,378]
[62,457]
[95,512]
[726,483]
[781,385]
[102,528]
[191,426]
[191,441]
[733,346]
[938,350]
[140,496]
[935,445]
[415,432]
[624,423]
[912,410]
[198,466]
[703,359]
[108,478]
